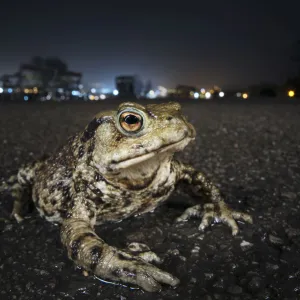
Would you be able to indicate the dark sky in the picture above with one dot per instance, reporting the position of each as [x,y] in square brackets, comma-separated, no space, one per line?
[228,43]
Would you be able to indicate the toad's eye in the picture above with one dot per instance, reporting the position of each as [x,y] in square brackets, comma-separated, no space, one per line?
[131,122]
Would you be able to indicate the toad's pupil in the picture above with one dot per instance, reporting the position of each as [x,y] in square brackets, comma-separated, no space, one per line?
[131,119]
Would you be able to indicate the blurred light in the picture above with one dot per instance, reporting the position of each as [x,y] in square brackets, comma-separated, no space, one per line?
[10,90]
[207,95]
[80,86]
[106,91]
[91,97]
[75,93]
[151,94]
[196,95]
[202,91]
[48,97]
[60,90]
[96,98]
[238,94]
[116,92]
[162,91]
[291,93]
[102,97]
[245,96]
[93,91]
[35,90]
[221,94]
[26,98]
[1,90]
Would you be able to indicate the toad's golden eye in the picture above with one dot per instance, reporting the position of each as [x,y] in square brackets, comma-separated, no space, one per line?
[131,122]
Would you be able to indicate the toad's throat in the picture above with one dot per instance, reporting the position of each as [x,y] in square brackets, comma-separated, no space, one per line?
[122,164]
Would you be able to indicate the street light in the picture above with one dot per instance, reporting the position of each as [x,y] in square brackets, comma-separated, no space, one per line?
[291,93]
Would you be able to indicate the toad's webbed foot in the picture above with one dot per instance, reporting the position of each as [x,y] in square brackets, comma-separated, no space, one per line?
[215,212]
[94,255]
[135,270]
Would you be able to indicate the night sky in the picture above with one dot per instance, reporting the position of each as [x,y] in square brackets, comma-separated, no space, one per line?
[228,43]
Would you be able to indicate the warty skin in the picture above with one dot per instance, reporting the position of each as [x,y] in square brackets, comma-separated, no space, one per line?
[120,165]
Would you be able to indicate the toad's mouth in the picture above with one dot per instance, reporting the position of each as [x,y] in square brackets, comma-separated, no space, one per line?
[176,146]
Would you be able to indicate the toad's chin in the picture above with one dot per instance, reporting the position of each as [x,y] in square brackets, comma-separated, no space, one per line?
[171,148]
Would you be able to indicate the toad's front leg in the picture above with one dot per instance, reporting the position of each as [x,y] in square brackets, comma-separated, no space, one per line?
[214,211]
[86,249]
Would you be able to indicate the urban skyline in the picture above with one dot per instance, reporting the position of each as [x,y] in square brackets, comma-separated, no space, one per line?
[200,45]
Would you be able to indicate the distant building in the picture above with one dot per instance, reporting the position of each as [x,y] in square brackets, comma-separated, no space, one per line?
[129,86]
[30,76]
[10,81]
[68,80]
[43,75]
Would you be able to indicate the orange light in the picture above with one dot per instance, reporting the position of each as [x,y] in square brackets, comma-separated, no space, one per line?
[291,93]
[245,96]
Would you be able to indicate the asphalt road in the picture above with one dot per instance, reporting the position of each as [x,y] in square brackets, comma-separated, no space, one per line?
[250,149]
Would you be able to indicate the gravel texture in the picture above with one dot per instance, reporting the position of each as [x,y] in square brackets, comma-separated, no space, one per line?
[249,148]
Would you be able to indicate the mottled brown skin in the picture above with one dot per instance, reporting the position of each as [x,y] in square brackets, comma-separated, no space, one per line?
[106,173]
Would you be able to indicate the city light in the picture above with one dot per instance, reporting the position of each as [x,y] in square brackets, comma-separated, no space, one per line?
[115,92]
[10,90]
[162,91]
[196,95]
[26,98]
[75,93]
[1,90]
[221,94]
[202,91]
[291,93]
[35,90]
[102,97]
[245,96]
[91,97]
[151,94]
[93,91]
[239,94]
[207,95]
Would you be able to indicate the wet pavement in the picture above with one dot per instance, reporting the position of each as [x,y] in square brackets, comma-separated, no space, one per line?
[250,149]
